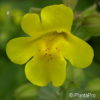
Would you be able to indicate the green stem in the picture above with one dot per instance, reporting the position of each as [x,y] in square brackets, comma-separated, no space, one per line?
[65,88]
[64,94]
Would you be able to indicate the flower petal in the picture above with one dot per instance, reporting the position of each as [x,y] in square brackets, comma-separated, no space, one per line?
[53,18]
[31,24]
[20,50]
[46,68]
[36,72]
[57,17]
[77,51]
[57,70]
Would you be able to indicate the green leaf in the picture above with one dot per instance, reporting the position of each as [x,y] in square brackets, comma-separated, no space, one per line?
[49,93]
[94,85]
[75,77]
[26,91]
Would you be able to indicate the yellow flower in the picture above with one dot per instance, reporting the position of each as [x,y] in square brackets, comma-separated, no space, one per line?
[49,44]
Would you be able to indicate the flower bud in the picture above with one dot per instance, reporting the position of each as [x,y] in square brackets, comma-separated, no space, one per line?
[71,3]
[89,11]
[92,24]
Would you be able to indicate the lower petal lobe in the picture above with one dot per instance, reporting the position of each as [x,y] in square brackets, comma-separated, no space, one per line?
[77,51]
[36,72]
[46,68]
[20,50]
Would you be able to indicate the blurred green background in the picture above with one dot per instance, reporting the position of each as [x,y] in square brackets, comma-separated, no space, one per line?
[13,83]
